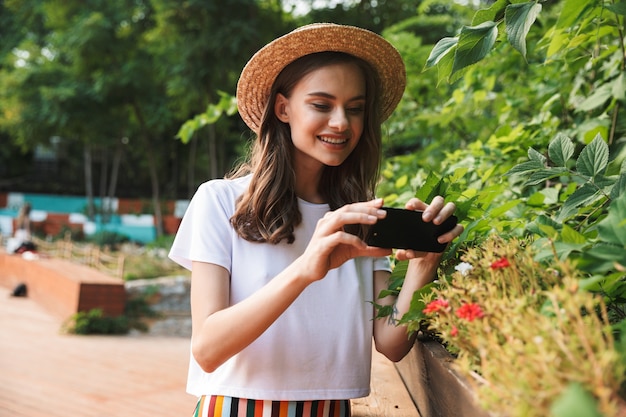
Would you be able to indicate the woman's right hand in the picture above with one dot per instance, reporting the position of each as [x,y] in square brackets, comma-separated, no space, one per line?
[331,245]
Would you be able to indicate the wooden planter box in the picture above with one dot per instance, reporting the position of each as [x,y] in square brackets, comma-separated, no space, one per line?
[435,387]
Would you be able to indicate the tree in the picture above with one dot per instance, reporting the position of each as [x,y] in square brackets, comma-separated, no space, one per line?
[203,45]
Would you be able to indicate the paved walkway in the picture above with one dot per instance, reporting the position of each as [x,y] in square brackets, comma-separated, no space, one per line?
[47,374]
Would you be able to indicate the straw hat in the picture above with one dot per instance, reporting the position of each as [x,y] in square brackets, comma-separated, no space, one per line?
[257,77]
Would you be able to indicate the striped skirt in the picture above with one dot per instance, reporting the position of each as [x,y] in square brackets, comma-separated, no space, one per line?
[219,406]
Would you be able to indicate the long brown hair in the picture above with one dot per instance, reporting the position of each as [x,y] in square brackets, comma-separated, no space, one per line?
[268,210]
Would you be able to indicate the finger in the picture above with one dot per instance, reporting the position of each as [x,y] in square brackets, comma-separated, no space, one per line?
[408,254]
[445,212]
[336,221]
[370,206]
[451,235]
[415,204]
[433,208]
[343,241]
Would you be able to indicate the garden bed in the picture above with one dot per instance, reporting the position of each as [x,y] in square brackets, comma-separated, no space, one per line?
[435,387]
[62,287]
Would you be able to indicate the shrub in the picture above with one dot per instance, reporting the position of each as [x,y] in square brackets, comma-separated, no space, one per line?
[95,322]
[525,333]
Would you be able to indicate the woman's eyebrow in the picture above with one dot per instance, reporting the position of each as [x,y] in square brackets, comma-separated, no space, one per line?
[330,96]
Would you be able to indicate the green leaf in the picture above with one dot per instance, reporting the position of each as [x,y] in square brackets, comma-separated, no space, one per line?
[444,67]
[560,150]
[430,189]
[571,12]
[475,42]
[603,257]
[443,47]
[594,158]
[558,41]
[503,208]
[186,131]
[619,187]
[541,223]
[494,13]
[612,228]
[518,19]
[575,401]
[618,7]
[536,200]
[525,167]
[534,155]
[547,230]
[212,114]
[545,174]
[569,235]
[228,103]
[582,196]
[402,181]
[618,91]
[600,95]
[415,313]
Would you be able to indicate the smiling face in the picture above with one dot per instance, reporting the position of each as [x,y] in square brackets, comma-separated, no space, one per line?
[325,113]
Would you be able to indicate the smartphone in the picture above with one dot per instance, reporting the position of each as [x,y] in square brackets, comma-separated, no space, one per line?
[405,229]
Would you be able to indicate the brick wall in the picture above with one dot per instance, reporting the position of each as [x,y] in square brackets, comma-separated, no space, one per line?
[62,287]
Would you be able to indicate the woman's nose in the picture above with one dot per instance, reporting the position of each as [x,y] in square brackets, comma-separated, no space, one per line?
[338,120]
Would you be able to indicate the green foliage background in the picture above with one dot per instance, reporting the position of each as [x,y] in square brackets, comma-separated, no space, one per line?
[527,138]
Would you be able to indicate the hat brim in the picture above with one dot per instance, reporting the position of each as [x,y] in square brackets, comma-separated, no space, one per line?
[259,74]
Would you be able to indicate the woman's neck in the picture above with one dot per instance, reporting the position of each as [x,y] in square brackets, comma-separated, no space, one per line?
[307,186]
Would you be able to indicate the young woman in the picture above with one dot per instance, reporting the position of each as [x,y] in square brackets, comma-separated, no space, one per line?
[282,281]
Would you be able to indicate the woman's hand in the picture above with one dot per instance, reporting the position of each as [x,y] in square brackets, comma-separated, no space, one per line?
[391,339]
[331,245]
[437,212]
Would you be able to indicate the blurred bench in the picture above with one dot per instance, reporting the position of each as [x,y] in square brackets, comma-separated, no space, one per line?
[62,287]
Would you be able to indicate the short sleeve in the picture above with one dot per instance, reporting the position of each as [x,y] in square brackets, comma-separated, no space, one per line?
[205,233]
[382,264]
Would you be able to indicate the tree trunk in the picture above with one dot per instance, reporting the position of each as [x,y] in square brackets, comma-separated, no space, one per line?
[88,181]
[115,168]
[213,159]
[191,167]
[104,167]
[152,168]
[156,198]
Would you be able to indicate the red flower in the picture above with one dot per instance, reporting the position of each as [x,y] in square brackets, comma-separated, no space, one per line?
[500,263]
[454,331]
[469,312]
[436,306]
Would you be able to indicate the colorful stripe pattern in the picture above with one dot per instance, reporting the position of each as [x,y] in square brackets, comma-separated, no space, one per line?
[219,406]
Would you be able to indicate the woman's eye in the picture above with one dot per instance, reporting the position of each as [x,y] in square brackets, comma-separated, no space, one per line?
[320,106]
[356,110]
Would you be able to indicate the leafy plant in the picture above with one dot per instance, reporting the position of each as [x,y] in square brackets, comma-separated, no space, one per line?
[95,322]
[226,105]
[524,332]
[580,214]
[108,238]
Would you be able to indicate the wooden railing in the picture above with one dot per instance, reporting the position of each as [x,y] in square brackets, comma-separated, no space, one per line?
[104,260]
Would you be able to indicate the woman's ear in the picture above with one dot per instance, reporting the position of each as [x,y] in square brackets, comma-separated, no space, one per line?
[280,108]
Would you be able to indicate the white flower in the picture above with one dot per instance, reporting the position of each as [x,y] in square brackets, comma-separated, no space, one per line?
[463,268]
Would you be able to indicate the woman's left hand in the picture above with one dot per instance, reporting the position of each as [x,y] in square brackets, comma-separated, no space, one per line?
[437,212]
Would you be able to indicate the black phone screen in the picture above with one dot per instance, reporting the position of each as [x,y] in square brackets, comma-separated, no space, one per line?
[405,229]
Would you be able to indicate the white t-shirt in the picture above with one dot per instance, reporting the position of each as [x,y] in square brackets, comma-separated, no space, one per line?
[320,347]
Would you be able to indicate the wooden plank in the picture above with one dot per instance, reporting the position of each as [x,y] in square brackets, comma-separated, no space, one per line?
[389,396]
[436,388]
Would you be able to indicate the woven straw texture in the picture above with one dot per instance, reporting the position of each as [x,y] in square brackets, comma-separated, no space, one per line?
[258,75]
